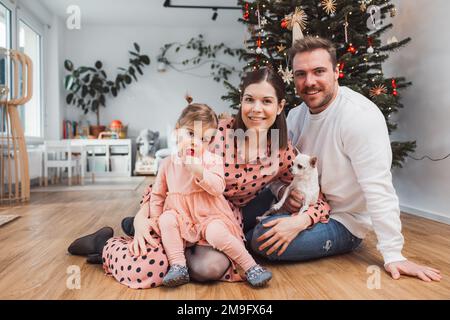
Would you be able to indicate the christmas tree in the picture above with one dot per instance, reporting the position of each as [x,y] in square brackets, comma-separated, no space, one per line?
[353,26]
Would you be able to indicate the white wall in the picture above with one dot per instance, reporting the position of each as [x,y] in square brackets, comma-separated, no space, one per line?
[424,186]
[156,100]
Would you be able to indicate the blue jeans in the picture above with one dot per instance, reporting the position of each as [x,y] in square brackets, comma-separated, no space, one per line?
[322,240]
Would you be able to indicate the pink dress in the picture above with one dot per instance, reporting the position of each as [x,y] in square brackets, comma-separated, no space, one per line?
[196,203]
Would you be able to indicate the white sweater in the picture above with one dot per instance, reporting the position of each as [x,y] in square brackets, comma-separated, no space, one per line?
[350,139]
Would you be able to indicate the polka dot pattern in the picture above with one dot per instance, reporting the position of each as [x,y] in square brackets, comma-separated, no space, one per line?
[134,272]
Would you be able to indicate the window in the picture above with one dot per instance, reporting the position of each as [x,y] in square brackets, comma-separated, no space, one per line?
[30,114]
[5,42]
[20,31]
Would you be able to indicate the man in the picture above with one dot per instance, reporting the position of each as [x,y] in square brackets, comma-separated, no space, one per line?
[348,134]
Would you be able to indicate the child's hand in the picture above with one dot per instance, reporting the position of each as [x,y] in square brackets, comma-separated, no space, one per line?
[193,164]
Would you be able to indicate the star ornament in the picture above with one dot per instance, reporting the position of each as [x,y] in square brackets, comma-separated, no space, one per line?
[329,6]
[286,74]
[378,90]
[264,21]
[281,48]
[299,16]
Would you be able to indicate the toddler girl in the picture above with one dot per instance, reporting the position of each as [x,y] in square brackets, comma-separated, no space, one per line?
[187,202]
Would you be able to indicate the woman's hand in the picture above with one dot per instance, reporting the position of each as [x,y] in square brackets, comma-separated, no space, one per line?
[282,232]
[410,268]
[142,227]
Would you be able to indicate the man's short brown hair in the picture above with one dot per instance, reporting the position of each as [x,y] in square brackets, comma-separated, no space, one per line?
[308,44]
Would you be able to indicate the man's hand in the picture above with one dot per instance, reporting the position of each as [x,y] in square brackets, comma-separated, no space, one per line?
[294,201]
[282,232]
[410,268]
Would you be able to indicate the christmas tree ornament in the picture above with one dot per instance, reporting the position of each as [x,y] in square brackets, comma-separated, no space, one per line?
[258,46]
[286,74]
[296,22]
[378,90]
[329,6]
[394,87]
[281,48]
[264,21]
[346,29]
[363,5]
[393,12]
[392,40]
[351,49]
[284,24]
[246,15]
[370,43]
[341,70]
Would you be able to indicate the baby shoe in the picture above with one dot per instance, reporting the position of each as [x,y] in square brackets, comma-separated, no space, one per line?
[258,276]
[176,276]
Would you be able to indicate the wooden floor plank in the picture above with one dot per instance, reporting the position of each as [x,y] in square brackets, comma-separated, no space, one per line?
[34,262]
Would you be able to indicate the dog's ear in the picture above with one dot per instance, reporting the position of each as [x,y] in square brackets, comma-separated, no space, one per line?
[296,151]
[313,162]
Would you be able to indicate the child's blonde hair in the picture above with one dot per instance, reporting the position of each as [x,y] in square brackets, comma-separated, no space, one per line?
[197,112]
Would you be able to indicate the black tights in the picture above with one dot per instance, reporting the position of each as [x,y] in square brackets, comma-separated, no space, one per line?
[206,263]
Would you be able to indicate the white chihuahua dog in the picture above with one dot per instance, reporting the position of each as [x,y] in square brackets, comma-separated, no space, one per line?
[306,181]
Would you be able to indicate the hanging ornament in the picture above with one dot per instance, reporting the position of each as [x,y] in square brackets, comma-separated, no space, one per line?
[264,21]
[363,5]
[341,70]
[393,12]
[346,29]
[351,49]
[258,45]
[394,88]
[284,24]
[247,12]
[370,43]
[378,90]
[329,6]
[281,48]
[296,22]
[392,40]
[286,74]
[258,42]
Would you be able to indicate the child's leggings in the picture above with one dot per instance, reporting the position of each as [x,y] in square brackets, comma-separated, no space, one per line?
[217,234]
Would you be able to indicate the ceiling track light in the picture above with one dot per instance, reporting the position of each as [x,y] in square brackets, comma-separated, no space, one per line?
[168,4]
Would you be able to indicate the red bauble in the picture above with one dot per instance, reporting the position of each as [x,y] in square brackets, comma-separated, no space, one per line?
[246,16]
[284,24]
[341,75]
[394,84]
[351,49]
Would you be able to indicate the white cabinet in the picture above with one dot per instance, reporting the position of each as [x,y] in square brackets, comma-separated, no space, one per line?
[107,157]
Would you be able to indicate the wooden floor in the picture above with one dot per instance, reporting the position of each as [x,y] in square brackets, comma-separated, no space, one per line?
[34,262]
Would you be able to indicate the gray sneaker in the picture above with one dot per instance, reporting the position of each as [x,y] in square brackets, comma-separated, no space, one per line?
[176,276]
[258,276]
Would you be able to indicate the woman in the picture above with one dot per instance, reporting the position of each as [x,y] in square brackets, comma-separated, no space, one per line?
[249,168]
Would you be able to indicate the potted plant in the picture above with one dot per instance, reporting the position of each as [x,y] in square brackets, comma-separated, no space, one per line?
[88,87]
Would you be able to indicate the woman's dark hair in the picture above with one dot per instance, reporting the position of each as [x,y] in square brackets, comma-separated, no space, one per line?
[273,78]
